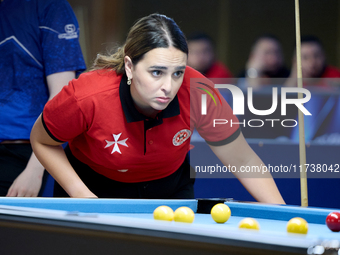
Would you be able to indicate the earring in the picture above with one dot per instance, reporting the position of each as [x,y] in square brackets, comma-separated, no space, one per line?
[129,81]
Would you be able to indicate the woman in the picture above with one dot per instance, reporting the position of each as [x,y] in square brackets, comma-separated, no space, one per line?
[128,124]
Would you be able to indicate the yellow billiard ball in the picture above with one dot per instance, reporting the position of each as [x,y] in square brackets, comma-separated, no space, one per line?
[249,223]
[220,213]
[163,213]
[184,214]
[297,225]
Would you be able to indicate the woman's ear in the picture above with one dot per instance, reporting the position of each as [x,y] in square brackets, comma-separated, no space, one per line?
[128,66]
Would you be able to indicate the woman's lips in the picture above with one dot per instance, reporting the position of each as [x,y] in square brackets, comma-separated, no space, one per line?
[163,100]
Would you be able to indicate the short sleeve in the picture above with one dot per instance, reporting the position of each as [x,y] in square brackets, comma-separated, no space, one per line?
[62,116]
[59,35]
[216,124]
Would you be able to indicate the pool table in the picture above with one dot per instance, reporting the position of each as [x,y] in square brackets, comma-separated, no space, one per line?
[126,226]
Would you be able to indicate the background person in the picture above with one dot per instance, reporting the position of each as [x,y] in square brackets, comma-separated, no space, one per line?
[39,54]
[313,64]
[265,63]
[202,57]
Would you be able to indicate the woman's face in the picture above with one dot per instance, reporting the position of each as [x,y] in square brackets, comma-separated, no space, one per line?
[156,78]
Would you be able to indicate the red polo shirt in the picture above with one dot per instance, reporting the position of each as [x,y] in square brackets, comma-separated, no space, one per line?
[218,70]
[96,115]
[331,72]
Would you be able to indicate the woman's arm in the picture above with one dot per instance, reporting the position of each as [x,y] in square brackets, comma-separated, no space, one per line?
[28,183]
[52,156]
[238,153]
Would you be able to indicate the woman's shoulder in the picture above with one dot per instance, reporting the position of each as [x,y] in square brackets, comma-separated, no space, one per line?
[98,75]
[96,81]
[192,73]
[193,78]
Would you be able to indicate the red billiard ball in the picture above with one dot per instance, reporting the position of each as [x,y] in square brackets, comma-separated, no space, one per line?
[333,221]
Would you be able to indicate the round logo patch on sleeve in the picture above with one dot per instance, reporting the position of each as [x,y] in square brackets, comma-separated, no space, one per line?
[181,136]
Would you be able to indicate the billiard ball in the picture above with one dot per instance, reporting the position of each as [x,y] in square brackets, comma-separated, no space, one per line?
[184,214]
[220,213]
[297,225]
[163,213]
[249,223]
[333,221]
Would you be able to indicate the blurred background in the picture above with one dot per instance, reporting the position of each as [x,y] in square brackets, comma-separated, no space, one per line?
[233,24]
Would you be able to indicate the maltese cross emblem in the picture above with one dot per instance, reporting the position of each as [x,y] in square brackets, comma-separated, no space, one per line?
[115,143]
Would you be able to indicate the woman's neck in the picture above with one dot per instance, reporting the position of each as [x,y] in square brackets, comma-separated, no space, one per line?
[148,112]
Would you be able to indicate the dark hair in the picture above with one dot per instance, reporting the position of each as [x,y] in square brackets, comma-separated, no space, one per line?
[311,39]
[150,32]
[266,36]
[198,36]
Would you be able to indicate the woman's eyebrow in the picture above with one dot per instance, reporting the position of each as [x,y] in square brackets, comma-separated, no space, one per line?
[158,67]
[165,68]
[180,67]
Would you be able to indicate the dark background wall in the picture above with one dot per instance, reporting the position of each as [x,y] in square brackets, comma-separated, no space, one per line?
[233,24]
